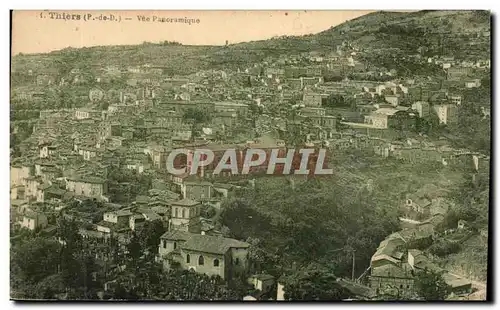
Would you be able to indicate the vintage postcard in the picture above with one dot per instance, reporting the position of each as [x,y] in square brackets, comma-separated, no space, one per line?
[250,155]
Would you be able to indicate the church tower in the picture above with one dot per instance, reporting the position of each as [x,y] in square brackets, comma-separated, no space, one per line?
[185,216]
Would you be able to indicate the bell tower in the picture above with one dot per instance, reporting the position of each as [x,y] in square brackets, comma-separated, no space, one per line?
[185,216]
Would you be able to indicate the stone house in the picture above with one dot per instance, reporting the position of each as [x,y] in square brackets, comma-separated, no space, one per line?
[312,99]
[84,113]
[417,204]
[17,192]
[241,109]
[114,222]
[120,217]
[326,121]
[197,190]
[262,282]
[18,174]
[395,277]
[422,107]
[46,149]
[393,100]
[210,255]
[447,113]
[88,152]
[33,220]
[473,83]
[31,188]
[49,192]
[87,186]
[385,118]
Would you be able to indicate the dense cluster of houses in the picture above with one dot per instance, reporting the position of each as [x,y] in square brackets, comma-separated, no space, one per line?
[72,151]
[399,257]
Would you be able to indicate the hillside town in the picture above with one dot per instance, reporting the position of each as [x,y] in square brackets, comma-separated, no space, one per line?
[89,180]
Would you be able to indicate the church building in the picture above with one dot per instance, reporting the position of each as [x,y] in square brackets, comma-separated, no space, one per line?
[185,247]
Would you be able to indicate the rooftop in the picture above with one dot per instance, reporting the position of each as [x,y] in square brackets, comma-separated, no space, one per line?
[87,179]
[212,244]
[386,111]
[392,271]
[231,104]
[121,213]
[263,277]
[186,203]
[176,235]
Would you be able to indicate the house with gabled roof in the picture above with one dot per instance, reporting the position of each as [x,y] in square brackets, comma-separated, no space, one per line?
[88,186]
[33,220]
[211,255]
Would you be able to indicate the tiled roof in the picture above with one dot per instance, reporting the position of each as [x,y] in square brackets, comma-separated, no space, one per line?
[263,277]
[176,235]
[55,190]
[392,271]
[88,179]
[223,185]
[123,213]
[32,214]
[212,244]
[357,289]
[186,203]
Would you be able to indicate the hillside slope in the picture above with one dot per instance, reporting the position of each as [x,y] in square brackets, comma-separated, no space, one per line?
[435,30]
[453,33]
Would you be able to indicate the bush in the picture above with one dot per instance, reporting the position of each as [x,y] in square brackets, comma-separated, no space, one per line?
[444,247]
[208,212]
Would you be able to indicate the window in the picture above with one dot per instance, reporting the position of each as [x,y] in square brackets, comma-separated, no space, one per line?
[188,259]
[183,213]
[175,245]
[201,261]
[216,262]
[401,286]
[237,261]
[164,244]
[176,212]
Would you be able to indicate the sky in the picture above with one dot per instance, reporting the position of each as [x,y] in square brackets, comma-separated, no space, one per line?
[41,31]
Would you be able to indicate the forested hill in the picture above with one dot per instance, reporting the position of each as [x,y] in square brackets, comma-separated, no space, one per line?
[463,34]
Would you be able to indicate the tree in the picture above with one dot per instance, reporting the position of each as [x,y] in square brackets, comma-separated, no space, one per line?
[430,285]
[255,111]
[444,248]
[76,264]
[188,285]
[49,287]
[208,212]
[197,118]
[67,231]
[314,282]
[34,260]
[149,235]
[134,250]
